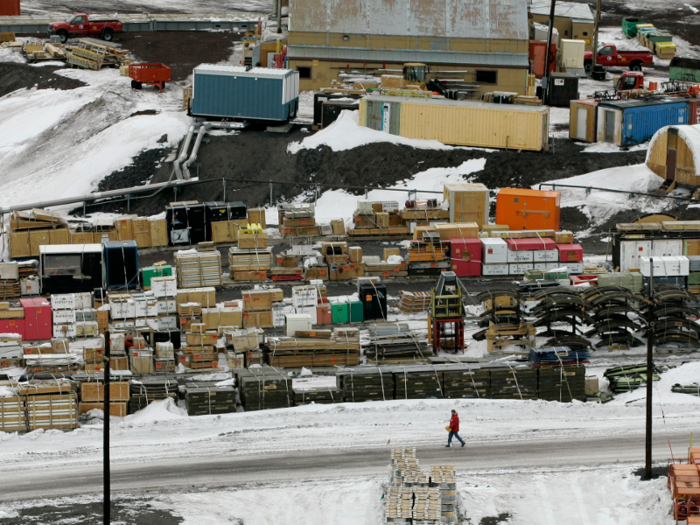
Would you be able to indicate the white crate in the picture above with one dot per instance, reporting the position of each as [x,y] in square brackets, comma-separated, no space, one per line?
[165,350]
[164,287]
[63,316]
[145,307]
[494,269]
[311,311]
[303,296]
[30,286]
[9,271]
[520,256]
[167,322]
[83,300]
[575,268]
[64,301]
[116,342]
[122,309]
[297,322]
[541,256]
[167,306]
[495,251]
[519,268]
[68,331]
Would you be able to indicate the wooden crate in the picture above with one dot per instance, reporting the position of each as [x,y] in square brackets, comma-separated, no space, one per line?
[118,409]
[93,392]
[159,232]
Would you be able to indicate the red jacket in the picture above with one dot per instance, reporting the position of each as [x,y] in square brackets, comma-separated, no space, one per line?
[454,423]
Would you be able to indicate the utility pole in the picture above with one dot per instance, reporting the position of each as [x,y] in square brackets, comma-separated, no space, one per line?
[105,434]
[279,16]
[650,368]
[595,36]
[545,78]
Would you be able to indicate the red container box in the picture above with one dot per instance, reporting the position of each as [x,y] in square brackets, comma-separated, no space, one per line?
[466,268]
[38,321]
[570,252]
[580,279]
[9,8]
[12,326]
[531,244]
[465,250]
[324,314]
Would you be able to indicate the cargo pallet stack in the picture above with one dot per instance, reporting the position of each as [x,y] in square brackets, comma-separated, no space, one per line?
[245,346]
[315,348]
[63,311]
[208,398]
[442,477]
[149,389]
[249,265]
[513,383]
[31,229]
[257,307]
[92,395]
[322,395]
[141,361]
[12,319]
[118,358]
[366,384]
[297,221]
[377,218]
[11,353]
[200,350]
[396,342]
[10,287]
[427,257]
[263,388]
[164,290]
[50,405]
[55,360]
[198,269]
[165,357]
[466,382]
[312,299]
[421,382]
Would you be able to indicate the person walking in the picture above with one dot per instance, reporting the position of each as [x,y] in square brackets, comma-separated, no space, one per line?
[454,429]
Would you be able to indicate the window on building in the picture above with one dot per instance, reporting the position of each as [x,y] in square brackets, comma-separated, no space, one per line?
[304,72]
[486,77]
[585,33]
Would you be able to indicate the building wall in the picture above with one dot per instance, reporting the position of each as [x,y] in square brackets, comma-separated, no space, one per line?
[569,29]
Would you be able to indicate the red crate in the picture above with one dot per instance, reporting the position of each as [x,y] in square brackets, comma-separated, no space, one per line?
[570,252]
[12,326]
[531,244]
[465,250]
[466,268]
[38,321]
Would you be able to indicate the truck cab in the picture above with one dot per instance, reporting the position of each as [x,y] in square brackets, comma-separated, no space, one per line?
[630,80]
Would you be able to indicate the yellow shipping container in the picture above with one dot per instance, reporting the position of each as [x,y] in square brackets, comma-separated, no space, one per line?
[464,123]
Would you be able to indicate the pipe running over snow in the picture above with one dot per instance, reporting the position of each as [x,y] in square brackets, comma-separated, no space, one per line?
[182,163]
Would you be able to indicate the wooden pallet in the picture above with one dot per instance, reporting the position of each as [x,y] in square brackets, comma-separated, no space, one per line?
[502,336]
[414,302]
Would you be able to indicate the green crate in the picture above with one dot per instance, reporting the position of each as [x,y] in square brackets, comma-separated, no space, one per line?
[150,272]
[340,312]
[357,312]
[694,278]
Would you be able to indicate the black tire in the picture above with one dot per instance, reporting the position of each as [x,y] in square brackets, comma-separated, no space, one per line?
[63,35]
[136,85]
[107,35]
[164,85]
[636,66]
[588,67]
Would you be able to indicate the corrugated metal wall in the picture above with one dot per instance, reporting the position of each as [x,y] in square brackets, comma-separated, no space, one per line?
[239,97]
[640,123]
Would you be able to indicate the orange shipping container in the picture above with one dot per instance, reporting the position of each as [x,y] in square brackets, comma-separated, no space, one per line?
[525,209]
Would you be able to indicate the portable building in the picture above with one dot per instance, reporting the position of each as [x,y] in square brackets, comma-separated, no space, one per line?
[242,93]
[468,202]
[674,154]
[632,122]
[538,57]
[685,69]
[70,268]
[571,19]
[582,120]
[460,122]
[525,209]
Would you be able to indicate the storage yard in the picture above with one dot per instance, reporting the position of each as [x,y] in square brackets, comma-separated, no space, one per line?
[267,247]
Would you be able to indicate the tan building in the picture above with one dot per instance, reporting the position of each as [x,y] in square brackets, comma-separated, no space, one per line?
[573,21]
[486,38]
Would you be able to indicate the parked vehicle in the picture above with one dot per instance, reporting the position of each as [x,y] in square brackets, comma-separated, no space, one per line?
[608,55]
[79,25]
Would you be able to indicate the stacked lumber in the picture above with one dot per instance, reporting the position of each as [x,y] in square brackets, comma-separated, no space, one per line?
[37,219]
[150,389]
[315,349]
[423,382]
[414,302]
[442,477]
[197,269]
[466,382]
[50,405]
[366,383]
[95,54]
[13,414]
[53,363]
[396,342]
[208,399]
[563,384]
[508,383]
[35,228]
[323,395]
[10,289]
[200,350]
[263,388]
[249,265]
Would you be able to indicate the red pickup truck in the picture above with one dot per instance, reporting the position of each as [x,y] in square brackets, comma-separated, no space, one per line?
[79,25]
[608,55]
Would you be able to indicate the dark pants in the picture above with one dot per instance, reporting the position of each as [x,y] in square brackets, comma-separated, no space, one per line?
[455,434]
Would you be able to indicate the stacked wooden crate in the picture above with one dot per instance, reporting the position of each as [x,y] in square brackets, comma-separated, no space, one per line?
[263,388]
[466,382]
[208,398]
[366,383]
[316,348]
[50,405]
[323,395]
[422,382]
[13,414]
[9,281]
[377,218]
[150,389]
[249,265]
[298,220]
[92,396]
[31,229]
[518,383]
[197,269]
[200,349]
[257,307]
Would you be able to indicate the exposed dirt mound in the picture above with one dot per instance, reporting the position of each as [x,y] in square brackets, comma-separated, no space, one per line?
[18,76]
[136,173]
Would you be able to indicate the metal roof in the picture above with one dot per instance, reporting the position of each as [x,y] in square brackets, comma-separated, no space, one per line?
[622,104]
[502,19]
[563,9]
[259,72]
[360,54]
[459,103]
[63,249]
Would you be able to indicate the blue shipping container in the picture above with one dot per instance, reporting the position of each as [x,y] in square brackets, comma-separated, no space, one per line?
[632,122]
[234,92]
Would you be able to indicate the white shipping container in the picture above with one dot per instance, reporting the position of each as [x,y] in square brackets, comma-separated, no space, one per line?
[297,322]
[546,256]
[167,306]
[494,269]
[520,256]
[519,268]
[68,331]
[659,267]
[63,301]
[631,252]
[164,287]
[495,251]
[63,316]
[311,310]
[9,271]
[667,248]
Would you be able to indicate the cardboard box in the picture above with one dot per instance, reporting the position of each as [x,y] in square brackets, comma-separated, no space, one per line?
[257,319]
[213,318]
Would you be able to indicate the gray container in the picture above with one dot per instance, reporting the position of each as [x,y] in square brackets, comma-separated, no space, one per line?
[240,93]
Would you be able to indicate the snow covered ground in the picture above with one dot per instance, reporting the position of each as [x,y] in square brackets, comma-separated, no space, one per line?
[114,7]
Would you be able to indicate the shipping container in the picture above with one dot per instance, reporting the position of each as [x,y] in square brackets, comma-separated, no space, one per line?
[667,247]
[582,120]
[672,154]
[563,88]
[693,111]
[468,202]
[632,122]
[241,93]
[685,69]
[538,56]
[459,122]
[627,253]
[9,7]
[525,209]
[70,268]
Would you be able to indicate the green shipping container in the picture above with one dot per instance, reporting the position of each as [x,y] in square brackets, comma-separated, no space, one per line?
[155,271]
[357,312]
[340,312]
